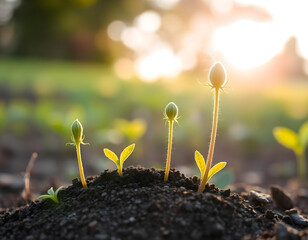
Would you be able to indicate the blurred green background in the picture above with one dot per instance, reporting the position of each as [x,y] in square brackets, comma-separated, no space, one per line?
[115,66]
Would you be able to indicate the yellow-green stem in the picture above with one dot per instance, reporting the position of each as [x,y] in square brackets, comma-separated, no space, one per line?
[169,150]
[212,142]
[120,170]
[301,165]
[82,178]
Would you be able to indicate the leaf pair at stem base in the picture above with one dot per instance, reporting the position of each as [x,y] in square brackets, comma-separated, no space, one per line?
[124,155]
[202,167]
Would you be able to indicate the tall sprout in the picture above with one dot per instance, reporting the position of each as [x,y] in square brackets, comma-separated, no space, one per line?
[171,115]
[218,79]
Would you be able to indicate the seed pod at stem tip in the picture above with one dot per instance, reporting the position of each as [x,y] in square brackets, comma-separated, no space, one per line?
[77,131]
[171,111]
[217,75]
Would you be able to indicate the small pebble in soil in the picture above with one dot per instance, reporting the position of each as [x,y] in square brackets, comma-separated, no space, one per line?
[101,236]
[226,193]
[281,199]
[260,198]
[92,224]
[299,219]
[269,214]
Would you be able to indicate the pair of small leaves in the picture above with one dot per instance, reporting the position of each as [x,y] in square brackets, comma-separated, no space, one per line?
[201,165]
[124,155]
[289,139]
[53,195]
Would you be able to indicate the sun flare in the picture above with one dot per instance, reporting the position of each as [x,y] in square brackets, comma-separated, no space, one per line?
[247,44]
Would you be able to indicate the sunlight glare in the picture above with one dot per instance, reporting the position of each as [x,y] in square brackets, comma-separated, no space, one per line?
[115,30]
[132,37]
[289,16]
[188,59]
[148,21]
[248,44]
[159,62]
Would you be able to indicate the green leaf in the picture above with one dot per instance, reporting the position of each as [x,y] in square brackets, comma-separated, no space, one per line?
[126,153]
[215,169]
[200,162]
[44,196]
[51,191]
[111,155]
[303,135]
[287,138]
[57,191]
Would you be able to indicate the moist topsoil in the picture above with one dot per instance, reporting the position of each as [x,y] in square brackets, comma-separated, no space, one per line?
[140,205]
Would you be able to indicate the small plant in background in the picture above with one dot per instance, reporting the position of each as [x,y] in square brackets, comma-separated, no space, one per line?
[296,142]
[171,115]
[53,195]
[77,138]
[218,79]
[201,165]
[124,155]
[131,130]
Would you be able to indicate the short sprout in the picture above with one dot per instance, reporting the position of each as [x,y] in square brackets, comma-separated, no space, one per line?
[77,138]
[53,195]
[297,142]
[124,155]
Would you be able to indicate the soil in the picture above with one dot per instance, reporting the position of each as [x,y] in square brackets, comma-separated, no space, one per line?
[140,205]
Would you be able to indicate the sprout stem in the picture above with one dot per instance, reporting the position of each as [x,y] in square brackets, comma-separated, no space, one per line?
[120,170]
[212,142]
[169,150]
[83,180]
[301,165]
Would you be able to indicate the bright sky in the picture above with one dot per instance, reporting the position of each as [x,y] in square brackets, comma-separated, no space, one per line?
[247,44]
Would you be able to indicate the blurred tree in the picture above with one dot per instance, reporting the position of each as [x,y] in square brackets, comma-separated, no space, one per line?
[66,29]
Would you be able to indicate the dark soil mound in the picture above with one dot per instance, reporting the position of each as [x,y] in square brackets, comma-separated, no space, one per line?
[140,205]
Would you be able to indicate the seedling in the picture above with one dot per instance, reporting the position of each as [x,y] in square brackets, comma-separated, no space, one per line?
[296,142]
[201,165]
[171,115]
[218,79]
[77,138]
[124,155]
[53,195]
